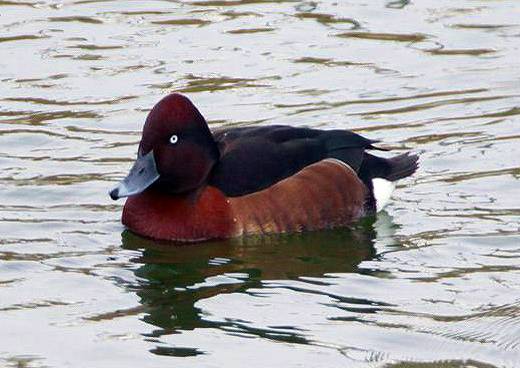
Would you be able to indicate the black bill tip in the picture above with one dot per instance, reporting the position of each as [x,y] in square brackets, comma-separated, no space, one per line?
[114,194]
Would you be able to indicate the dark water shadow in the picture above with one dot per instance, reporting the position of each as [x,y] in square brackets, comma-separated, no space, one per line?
[171,278]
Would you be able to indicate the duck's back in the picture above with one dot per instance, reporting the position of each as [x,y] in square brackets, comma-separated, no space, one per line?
[255,158]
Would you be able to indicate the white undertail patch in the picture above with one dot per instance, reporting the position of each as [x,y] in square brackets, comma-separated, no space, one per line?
[382,192]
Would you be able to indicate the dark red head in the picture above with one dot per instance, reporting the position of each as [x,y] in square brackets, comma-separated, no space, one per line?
[177,150]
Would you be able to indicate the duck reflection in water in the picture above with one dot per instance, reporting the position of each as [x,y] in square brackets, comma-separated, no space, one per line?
[171,279]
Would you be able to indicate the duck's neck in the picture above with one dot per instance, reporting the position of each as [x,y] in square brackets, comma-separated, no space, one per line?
[187,217]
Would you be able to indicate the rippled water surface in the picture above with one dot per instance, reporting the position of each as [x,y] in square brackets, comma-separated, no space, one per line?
[433,281]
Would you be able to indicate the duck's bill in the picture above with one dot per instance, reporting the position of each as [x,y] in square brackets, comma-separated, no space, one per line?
[143,174]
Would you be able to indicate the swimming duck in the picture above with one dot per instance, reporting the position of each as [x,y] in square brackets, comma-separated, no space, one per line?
[191,184]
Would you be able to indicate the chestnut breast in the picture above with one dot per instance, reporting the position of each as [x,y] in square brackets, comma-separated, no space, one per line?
[323,195]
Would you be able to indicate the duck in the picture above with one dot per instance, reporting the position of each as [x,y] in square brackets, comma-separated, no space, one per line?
[192,184]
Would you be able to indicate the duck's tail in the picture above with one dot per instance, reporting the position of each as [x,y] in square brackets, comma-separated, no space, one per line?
[379,175]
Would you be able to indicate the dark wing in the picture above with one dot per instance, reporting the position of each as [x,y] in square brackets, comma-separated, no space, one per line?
[254,158]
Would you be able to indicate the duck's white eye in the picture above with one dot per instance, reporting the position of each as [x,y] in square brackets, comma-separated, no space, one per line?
[174,139]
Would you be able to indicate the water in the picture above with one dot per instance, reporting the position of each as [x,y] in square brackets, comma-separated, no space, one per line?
[432,282]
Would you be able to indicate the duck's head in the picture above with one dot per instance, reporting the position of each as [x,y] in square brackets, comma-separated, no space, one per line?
[176,153]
